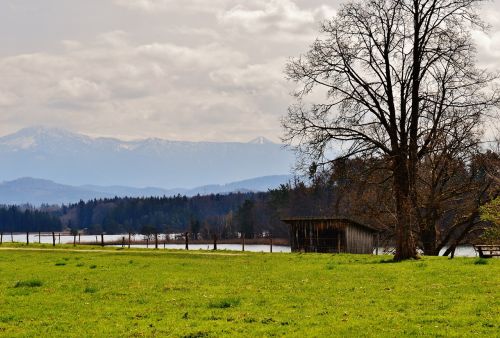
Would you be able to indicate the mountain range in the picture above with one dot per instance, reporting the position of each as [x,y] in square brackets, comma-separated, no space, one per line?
[75,160]
[40,191]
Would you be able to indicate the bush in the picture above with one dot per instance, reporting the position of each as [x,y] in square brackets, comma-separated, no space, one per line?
[30,283]
[225,303]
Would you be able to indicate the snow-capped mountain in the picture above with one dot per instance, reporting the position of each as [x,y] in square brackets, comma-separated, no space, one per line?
[77,159]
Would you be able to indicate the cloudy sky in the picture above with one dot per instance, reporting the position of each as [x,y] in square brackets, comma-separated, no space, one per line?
[177,69]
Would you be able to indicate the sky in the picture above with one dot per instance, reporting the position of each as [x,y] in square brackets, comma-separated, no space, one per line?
[197,70]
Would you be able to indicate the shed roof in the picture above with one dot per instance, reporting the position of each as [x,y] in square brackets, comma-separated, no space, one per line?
[290,220]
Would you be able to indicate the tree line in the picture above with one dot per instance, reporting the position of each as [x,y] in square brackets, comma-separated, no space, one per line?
[23,219]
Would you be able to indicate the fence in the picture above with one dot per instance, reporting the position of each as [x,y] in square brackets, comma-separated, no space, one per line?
[130,239]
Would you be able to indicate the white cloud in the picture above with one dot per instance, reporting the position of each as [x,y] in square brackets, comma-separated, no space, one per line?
[155,6]
[79,88]
[207,56]
[8,99]
[276,15]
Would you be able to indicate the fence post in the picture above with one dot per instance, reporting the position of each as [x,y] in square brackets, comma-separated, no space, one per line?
[12,237]
[378,244]
[187,240]
[271,242]
[27,238]
[53,238]
[1,238]
[79,238]
[102,239]
[59,238]
[243,242]
[215,241]
[74,239]
[129,235]
[156,240]
[123,241]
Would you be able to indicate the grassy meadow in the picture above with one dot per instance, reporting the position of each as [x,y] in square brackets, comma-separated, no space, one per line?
[134,293]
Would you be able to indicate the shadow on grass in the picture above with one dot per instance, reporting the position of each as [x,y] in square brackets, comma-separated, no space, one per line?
[481,261]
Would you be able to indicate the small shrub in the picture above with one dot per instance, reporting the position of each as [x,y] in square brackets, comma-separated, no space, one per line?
[30,283]
[481,261]
[199,334]
[225,303]
[267,321]
[90,289]
[60,263]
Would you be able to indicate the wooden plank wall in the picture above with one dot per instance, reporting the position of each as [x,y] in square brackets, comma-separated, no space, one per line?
[358,241]
[308,235]
[326,235]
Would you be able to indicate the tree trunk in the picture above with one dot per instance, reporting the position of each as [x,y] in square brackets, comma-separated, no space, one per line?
[405,241]
[428,237]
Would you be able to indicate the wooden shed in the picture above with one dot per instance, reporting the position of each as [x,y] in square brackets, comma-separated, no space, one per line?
[330,234]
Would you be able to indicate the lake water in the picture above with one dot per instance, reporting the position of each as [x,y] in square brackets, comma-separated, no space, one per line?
[461,251]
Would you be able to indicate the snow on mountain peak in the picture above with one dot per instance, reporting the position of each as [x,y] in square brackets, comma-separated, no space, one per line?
[32,137]
[261,140]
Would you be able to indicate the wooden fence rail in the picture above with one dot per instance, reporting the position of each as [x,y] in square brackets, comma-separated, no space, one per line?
[55,236]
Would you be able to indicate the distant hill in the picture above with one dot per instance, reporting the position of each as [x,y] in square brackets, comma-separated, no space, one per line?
[76,159]
[39,191]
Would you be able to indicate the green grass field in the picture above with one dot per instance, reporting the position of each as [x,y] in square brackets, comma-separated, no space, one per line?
[120,293]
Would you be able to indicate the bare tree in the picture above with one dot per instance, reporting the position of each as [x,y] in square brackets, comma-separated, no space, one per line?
[396,73]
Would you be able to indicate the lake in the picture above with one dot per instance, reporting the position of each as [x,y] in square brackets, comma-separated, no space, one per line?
[462,251]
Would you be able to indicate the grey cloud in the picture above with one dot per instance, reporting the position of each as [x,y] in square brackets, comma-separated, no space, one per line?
[178,69]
